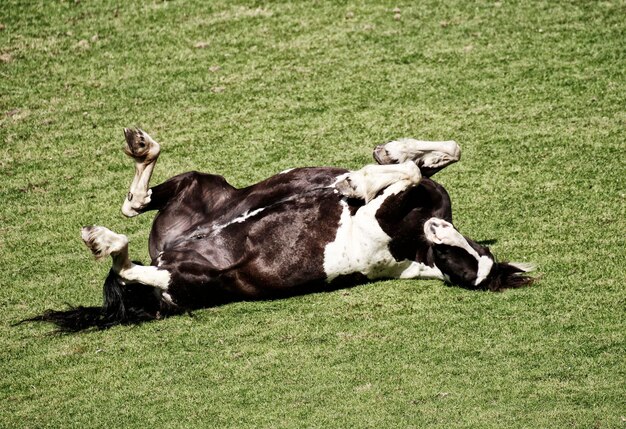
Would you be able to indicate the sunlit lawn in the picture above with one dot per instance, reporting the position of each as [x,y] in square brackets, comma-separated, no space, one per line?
[532,91]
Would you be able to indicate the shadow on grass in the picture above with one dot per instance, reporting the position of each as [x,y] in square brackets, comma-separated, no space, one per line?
[134,304]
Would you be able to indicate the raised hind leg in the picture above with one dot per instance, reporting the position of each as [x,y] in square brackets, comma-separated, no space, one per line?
[429,156]
[103,242]
[145,152]
[367,182]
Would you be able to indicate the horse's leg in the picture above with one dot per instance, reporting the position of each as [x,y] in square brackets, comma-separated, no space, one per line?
[429,156]
[103,242]
[145,151]
[371,179]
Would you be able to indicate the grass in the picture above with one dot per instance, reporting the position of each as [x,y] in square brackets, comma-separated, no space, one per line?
[533,92]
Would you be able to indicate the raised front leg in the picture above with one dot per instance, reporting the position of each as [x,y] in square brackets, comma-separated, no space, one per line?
[367,182]
[145,151]
[429,156]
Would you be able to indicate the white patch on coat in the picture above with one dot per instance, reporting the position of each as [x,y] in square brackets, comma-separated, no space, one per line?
[286,171]
[439,231]
[246,216]
[240,219]
[361,245]
[485,264]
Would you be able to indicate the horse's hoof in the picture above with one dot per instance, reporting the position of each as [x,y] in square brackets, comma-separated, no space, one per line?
[140,146]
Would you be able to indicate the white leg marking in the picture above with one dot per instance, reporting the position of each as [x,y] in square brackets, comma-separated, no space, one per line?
[147,275]
[103,242]
[361,245]
[371,179]
[145,151]
[432,154]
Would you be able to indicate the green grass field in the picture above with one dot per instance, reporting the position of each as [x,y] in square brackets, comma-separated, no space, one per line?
[534,92]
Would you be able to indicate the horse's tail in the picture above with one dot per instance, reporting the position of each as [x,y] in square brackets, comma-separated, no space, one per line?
[122,304]
[127,303]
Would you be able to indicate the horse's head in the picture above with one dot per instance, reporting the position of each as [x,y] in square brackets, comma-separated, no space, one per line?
[468,264]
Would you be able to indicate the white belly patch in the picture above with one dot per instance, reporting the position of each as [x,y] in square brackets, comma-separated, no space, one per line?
[361,246]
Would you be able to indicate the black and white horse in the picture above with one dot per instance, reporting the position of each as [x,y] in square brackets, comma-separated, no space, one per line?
[300,231]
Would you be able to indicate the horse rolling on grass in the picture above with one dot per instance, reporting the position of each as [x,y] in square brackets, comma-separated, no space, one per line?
[301,231]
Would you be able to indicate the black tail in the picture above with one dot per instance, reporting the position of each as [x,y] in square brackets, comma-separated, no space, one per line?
[122,304]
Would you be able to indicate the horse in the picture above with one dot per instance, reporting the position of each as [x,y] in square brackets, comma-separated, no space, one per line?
[301,231]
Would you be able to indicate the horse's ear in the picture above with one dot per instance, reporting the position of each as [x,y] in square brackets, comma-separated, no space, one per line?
[511,276]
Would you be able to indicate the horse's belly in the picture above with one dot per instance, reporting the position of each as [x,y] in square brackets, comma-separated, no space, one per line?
[360,246]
